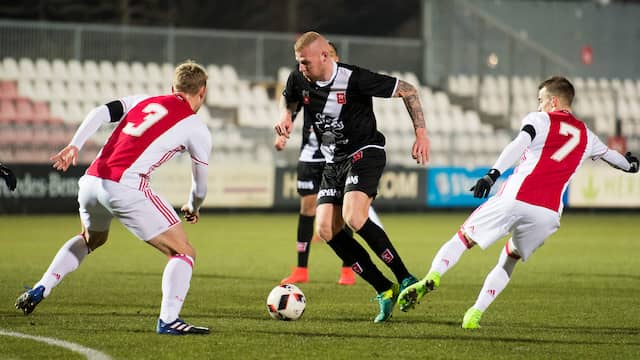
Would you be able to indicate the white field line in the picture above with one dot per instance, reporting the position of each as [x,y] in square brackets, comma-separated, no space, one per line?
[91,354]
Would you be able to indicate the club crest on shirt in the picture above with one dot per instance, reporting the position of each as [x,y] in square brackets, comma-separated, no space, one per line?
[305,97]
[341,98]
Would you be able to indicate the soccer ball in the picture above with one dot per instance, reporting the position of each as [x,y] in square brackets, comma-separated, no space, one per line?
[286,302]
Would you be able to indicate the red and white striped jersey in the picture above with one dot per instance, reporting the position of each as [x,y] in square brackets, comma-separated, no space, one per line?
[560,146]
[151,132]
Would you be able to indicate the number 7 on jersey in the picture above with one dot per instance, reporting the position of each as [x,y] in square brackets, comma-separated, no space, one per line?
[574,138]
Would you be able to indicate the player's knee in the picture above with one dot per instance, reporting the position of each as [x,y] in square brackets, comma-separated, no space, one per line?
[324,231]
[95,239]
[355,222]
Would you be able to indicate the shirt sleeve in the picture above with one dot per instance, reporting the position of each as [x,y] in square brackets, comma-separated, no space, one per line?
[102,115]
[601,151]
[512,152]
[200,150]
[290,92]
[375,84]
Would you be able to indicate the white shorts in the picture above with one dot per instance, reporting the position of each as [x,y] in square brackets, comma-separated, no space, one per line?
[144,213]
[531,225]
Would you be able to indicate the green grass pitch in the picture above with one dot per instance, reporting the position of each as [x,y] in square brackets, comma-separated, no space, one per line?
[578,297]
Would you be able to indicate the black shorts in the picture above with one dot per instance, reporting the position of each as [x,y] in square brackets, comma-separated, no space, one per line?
[309,177]
[360,172]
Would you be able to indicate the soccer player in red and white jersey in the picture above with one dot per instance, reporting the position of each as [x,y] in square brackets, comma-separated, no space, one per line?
[151,131]
[551,147]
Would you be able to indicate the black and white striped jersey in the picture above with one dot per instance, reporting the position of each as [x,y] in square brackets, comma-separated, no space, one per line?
[341,109]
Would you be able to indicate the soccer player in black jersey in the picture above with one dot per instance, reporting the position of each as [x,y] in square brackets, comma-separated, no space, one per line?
[337,99]
[309,175]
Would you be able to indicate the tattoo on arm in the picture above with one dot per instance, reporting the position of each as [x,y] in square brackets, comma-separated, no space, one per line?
[412,102]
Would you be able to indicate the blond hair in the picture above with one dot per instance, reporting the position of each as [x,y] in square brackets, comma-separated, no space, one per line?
[305,40]
[189,77]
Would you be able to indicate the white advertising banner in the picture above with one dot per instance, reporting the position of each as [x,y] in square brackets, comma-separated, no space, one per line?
[598,185]
[229,184]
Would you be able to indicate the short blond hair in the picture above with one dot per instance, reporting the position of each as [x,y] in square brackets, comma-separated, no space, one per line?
[305,40]
[189,77]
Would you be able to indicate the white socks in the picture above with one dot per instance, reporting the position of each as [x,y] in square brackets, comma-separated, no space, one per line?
[66,260]
[448,255]
[175,285]
[496,281]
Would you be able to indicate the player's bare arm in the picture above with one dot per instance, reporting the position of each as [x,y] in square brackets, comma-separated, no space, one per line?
[65,158]
[280,142]
[409,95]
[285,125]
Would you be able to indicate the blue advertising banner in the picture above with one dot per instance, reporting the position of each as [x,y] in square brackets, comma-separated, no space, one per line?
[448,187]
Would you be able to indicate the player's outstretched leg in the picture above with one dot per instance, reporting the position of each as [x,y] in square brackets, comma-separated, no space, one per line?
[471,319]
[28,301]
[179,327]
[412,295]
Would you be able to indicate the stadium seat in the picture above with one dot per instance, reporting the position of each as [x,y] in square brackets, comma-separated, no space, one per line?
[24,110]
[92,71]
[213,71]
[42,90]
[154,74]
[7,111]
[59,90]
[59,70]
[8,89]
[228,74]
[27,68]
[43,69]
[26,88]
[75,70]
[108,72]
[123,72]
[11,69]
[41,112]
[139,73]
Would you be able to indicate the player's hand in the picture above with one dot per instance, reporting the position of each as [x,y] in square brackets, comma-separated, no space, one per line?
[9,177]
[483,186]
[633,161]
[189,214]
[280,142]
[421,147]
[284,127]
[65,158]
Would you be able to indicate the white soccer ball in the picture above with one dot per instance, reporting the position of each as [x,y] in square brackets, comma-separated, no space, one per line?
[286,302]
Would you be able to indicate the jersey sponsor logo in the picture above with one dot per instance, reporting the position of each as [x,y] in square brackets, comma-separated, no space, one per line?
[305,185]
[305,97]
[327,192]
[387,256]
[341,98]
[356,268]
[357,156]
[352,179]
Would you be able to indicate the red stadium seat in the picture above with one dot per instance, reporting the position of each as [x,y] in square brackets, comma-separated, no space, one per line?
[8,90]
[7,111]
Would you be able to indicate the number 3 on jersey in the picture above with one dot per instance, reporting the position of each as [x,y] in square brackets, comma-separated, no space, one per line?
[574,138]
[154,112]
